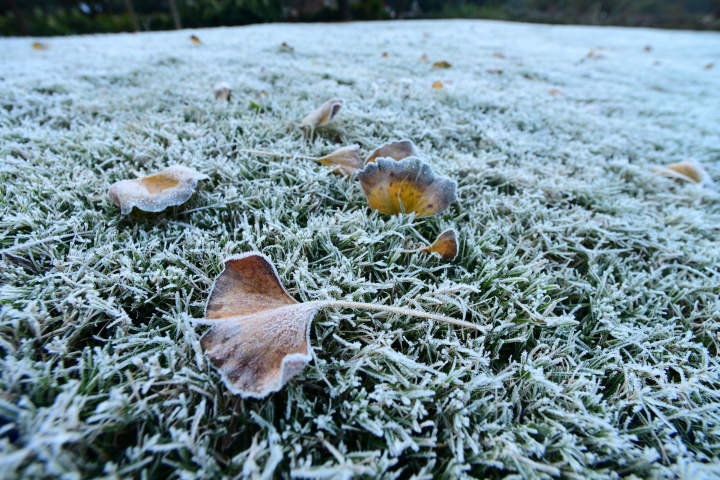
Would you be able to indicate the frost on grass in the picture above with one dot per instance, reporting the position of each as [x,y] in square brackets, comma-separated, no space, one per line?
[597,277]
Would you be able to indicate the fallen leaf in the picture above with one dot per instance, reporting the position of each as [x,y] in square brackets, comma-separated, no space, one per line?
[322,115]
[499,55]
[195,39]
[555,91]
[647,48]
[154,193]
[407,186]
[591,53]
[395,150]
[40,46]
[284,47]
[260,336]
[424,57]
[437,85]
[345,161]
[385,55]
[442,64]
[709,66]
[689,171]
[445,245]
[222,91]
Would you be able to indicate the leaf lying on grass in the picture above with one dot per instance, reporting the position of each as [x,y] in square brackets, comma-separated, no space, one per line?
[40,46]
[343,161]
[445,245]
[154,193]
[323,115]
[395,150]
[407,186]
[437,85]
[442,64]
[195,39]
[689,171]
[260,336]
[222,91]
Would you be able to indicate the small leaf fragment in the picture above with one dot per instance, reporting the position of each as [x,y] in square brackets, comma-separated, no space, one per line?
[195,39]
[154,193]
[222,91]
[437,85]
[345,161]
[709,66]
[442,64]
[688,171]
[385,54]
[285,47]
[323,115]
[395,150]
[424,57]
[407,186]
[40,46]
[445,245]
[499,55]
[555,91]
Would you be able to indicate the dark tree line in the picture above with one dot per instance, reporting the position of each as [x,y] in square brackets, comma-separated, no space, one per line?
[59,17]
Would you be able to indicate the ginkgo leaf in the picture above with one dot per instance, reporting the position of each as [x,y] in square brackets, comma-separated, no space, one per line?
[689,171]
[407,186]
[195,39]
[222,91]
[395,150]
[322,115]
[345,161]
[154,193]
[40,46]
[437,85]
[442,64]
[445,245]
[260,335]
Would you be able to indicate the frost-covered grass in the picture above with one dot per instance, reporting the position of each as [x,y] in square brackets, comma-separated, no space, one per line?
[600,280]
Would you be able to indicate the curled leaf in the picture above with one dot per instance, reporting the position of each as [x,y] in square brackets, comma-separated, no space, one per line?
[395,150]
[195,39]
[154,193]
[437,85]
[259,336]
[442,64]
[322,115]
[690,171]
[407,186]
[222,91]
[345,160]
[40,46]
[445,245]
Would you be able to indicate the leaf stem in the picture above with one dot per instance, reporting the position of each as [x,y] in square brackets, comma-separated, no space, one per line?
[402,311]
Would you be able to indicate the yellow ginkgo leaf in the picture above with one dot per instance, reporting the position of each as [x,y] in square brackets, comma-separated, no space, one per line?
[40,46]
[345,161]
[154,193]
[323,115]
[442,64]
[407,186]
[195,39]
[260,336]
[689,171]
[395,150]
[437,85]
[222,91]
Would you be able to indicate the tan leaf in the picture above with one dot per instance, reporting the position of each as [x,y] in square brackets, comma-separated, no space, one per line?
[40,46]
[154,193]
[395,150]
[709,66]
[442,64]
[407,186]
[689,171]
[260,336]
[222,91]
[322,115]
[437,85]
[499,55]
[424,57]
[195,39]
[647,48]
[345,161]
[385,55]
[555,91]
[445,245]
[285,47]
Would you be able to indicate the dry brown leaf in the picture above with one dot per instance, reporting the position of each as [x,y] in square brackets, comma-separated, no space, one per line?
[285,47]
[647,48]
[407,186]
[222,91]
[395,150]
[195,39]
[40,46]
[445,245]
[709,66]
[260,336]
[689,171]
[442,64]
[555,91]
[385,55]
[345,161]
[499,55]
[322,115]
[154,193]
[437,85]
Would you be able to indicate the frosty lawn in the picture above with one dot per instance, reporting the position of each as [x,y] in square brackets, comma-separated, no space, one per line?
[598,279]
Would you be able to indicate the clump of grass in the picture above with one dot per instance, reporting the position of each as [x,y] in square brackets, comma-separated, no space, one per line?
[597,279]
